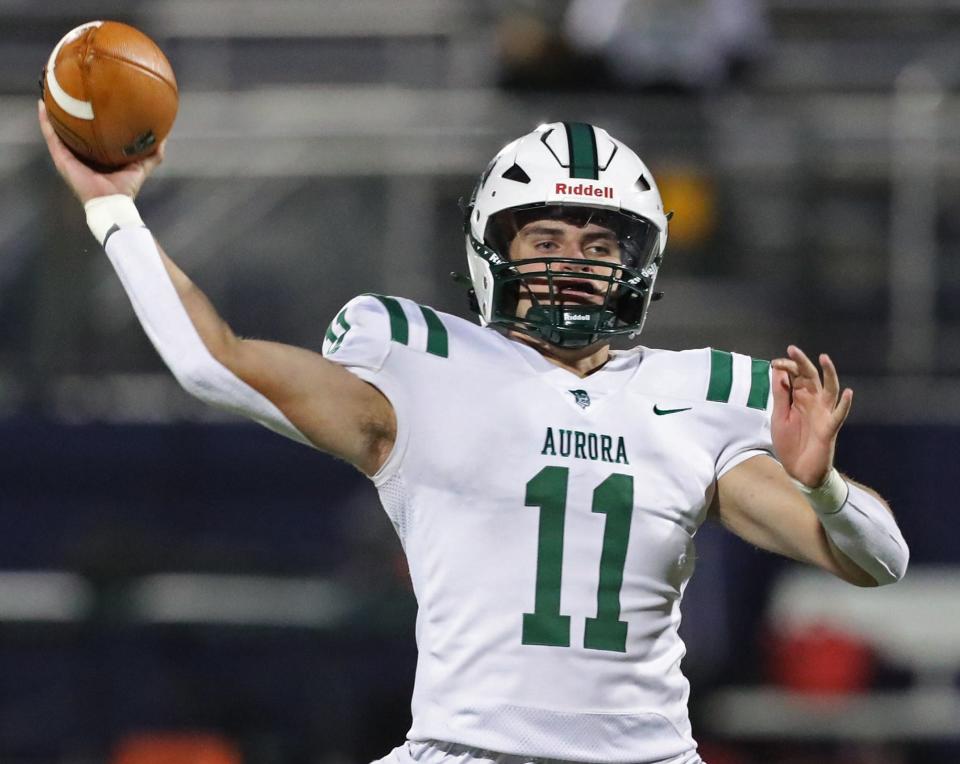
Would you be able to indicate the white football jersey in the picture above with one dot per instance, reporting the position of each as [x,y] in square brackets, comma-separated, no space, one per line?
[548,523]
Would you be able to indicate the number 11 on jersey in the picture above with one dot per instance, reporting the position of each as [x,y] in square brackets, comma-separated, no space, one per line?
[546,625]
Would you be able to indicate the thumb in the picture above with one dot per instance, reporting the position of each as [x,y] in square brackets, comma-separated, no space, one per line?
[151,162]
[781,394]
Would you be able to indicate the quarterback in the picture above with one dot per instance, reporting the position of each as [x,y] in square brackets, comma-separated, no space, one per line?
[545,487]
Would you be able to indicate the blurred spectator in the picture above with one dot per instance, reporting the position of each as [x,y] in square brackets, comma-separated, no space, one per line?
[534,52]
[686,43]
[630,44]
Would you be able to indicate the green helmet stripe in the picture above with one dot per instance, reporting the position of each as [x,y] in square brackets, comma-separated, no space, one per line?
[721,376]
[583,150]
[399,326]
[436,333]
[759,384]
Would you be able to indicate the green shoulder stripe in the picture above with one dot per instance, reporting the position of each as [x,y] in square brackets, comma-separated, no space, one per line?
[437,340]
[759,384]
[721,376]
[399,326]
[437,336]
[721,380]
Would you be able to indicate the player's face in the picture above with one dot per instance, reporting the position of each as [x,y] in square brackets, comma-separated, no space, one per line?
[562,239]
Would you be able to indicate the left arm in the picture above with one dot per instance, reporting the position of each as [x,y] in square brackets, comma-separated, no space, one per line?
[839,526]
[758,501]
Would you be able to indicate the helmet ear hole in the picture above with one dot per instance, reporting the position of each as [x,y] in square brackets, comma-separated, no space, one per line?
[510,297]
[630,308]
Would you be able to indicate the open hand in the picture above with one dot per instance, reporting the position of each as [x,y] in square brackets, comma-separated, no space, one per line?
[87,183]
[807,415]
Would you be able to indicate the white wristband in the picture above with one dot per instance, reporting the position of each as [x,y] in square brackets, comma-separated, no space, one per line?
[828,497]
[108,213]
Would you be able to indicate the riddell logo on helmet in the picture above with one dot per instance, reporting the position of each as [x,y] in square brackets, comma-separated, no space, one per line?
[581,189]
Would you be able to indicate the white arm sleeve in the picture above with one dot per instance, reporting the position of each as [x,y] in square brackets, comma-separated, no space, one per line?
[136,259]
[861,528]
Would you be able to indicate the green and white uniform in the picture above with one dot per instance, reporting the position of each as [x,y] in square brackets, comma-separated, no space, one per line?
[548,522]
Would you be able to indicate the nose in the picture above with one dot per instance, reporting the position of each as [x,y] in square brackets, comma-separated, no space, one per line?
[575,252]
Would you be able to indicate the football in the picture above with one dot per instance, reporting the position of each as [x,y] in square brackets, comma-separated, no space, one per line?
[110,93]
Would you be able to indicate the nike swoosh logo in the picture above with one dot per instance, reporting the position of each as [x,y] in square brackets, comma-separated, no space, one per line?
[660,412]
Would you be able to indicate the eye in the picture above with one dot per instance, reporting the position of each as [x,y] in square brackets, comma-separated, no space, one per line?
[603,250]
[546,246]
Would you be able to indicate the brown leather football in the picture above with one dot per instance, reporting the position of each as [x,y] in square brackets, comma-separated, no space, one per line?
[110,93]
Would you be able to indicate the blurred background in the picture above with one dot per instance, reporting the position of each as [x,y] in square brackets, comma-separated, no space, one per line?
[177,587]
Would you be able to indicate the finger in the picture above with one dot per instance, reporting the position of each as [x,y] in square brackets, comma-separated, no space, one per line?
[787,365]
[46,129]
[62,157]
[807,369]
[831,381]
[842,410]
[151,162]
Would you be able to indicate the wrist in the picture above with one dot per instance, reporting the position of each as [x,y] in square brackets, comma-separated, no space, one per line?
[108,213]
[828,497]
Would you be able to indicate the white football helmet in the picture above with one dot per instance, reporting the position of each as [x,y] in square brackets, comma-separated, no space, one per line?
[566,170]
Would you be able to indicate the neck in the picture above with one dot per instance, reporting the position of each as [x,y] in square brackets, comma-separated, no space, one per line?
[580,361]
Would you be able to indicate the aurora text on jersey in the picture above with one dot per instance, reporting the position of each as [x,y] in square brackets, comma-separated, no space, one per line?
[584,445]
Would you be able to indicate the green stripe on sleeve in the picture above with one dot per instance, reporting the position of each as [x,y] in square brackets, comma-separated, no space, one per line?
[330,335]
[721,376]
[399,326]
[759,384]
[583,150]
[436,333]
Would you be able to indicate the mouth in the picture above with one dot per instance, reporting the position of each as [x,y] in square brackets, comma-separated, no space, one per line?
[566,291]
